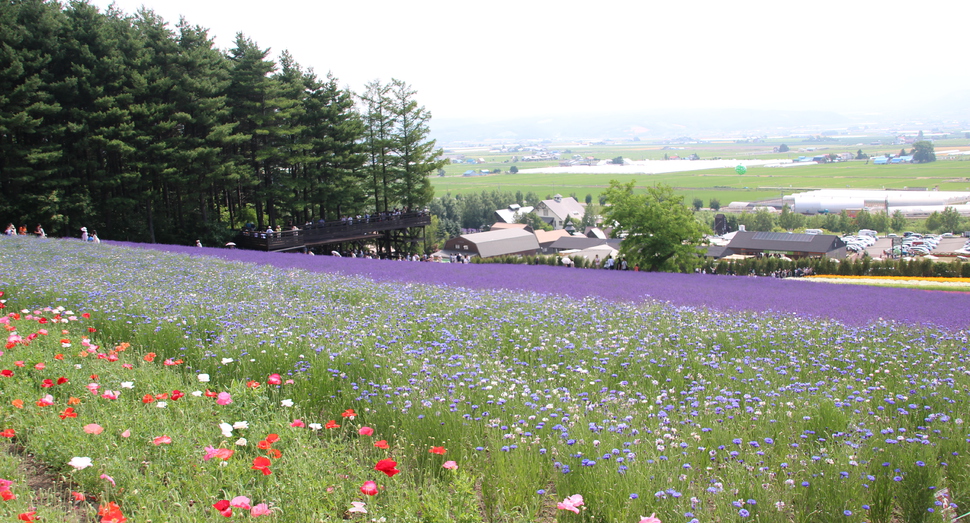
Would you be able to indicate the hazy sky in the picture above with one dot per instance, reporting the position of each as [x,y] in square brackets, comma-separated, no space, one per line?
[504,58]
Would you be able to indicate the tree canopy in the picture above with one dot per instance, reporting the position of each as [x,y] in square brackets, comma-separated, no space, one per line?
[148,132]
[659,232]
[923,152]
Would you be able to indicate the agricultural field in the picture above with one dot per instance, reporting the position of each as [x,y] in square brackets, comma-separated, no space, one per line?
[165,383]
[722,183]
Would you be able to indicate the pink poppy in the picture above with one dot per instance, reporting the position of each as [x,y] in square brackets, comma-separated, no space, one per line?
[162,440]
[572,503]
[649,519]
[369,488]
[240,502]
[260,510]
[274,379]
[297,423]
[450,465]
[223,398]
[93,428]
[365,431]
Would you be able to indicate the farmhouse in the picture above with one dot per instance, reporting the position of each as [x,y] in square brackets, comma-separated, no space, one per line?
[791,245]
[556,210]
[494,243]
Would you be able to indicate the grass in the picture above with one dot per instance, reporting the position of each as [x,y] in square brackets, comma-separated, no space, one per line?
[638,407]
[724,184]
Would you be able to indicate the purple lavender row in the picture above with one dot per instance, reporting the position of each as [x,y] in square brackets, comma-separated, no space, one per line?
[850,304]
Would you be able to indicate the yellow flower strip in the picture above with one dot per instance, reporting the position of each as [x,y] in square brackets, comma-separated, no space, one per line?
[902,278]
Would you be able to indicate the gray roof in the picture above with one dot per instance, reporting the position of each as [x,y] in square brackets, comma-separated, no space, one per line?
[566,207]
[576,242]
[503,241]
[782,241]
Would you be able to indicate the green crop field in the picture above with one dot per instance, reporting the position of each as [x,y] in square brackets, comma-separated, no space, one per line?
[722,183]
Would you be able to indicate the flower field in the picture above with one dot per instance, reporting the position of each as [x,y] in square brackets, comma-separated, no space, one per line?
[164,386]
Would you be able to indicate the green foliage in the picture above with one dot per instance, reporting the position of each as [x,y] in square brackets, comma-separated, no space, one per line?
[659,233]
[617,161]
[923,152]
[513,169]
[697,204]
[783,148]
[789,220]
[714,204]
[123,124]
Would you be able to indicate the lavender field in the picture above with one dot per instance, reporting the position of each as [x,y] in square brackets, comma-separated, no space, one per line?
[694,397]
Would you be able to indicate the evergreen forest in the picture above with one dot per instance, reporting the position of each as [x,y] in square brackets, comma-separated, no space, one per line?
[147,132]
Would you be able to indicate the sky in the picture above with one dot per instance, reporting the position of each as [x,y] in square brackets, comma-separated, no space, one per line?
[505,59]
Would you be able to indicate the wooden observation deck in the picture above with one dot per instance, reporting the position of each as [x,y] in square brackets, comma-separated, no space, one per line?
[379,229]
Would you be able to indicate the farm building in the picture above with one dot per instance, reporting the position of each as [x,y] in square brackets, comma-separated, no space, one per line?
[791,245]
[494,243]
[509,214]
[556,210]
[910,203]
[547,238]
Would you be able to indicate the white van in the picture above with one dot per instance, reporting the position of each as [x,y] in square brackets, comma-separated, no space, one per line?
[868,232]
[813,231]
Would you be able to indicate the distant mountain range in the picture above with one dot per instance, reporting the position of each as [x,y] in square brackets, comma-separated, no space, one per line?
[948,112]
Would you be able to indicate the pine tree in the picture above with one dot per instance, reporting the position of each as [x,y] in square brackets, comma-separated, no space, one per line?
[416,157]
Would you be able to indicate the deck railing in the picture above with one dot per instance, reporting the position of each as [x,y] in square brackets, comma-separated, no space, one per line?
[330,232]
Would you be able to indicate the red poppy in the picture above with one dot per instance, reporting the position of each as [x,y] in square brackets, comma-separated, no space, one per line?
[262,464]
[273,438]
[170,362]
[6,373]
[252,384]
[349,413]
[147,398]
[162,396]
[274,379]
[58,356]
[150,357]
[382,444]
[92,329]
[28,516]
[264,444]
[86,315]
[332,424]
[111,513]
[162,440]
[176,394]
[387,466]
[94,377]
[7,433]
[68,413]
[62,380]
[437,450]
[78,496]
[274,453]
[47,383]
[223,507]
[7,495]
[210,394]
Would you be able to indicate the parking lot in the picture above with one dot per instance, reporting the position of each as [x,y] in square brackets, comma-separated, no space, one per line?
[946,245]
